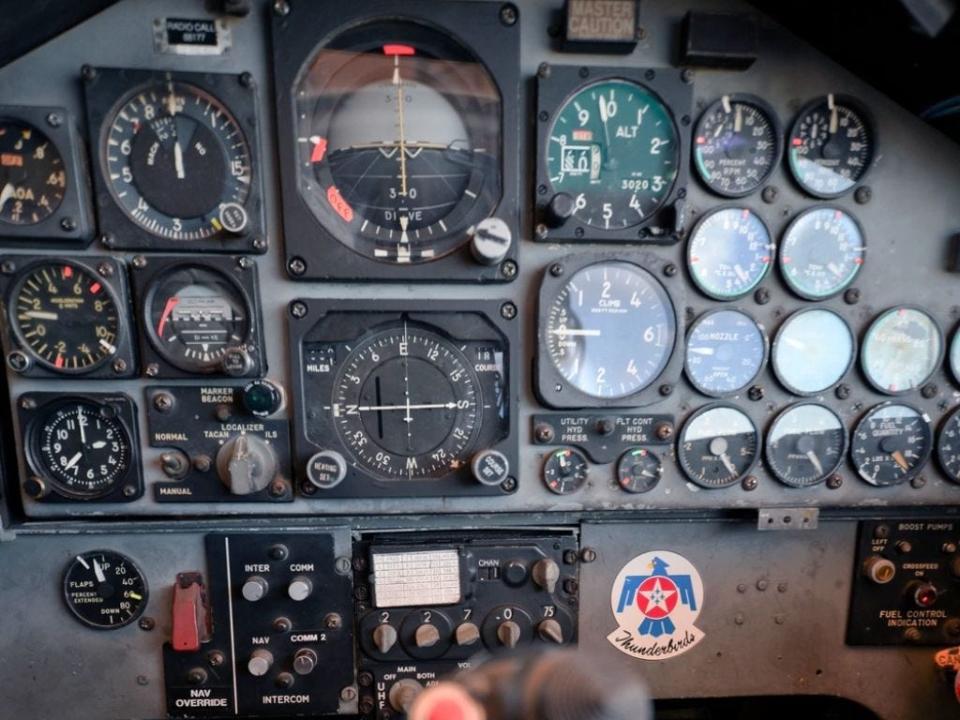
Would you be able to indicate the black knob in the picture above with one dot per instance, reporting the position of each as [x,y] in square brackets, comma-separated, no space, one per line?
[559,209]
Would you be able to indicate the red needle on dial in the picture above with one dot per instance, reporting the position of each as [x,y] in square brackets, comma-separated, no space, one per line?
[167,309]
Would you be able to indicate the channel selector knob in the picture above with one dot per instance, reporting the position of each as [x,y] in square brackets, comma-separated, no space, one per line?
[304,661]
[300,588]
[246,464]
[254,588]
[384,637]
[546,573]
[260,662]
[508,633]
[426,636]
[467,634]
[550,630]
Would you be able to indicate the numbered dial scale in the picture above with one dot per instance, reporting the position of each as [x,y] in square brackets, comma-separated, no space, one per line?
[408,400]
[80,447]
[104,589]
[831,146]
[737,144]
[726,350]
[607,332]
[611,152]
[729,253]
[805,445]
[718,446]
[175,159]
[902,349]
[948,446]
[891,444]
[67,318]
[398,141]
[33,177]
[822,252]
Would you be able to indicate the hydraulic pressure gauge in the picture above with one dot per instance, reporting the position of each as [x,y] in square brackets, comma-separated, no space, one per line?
[903,347]
[565,471]
[821,253]
[812,351]
[891,444]
[33,178]
[737,143]
[805,445]
[718,446]
[831,146]
[638,470]
[609,330]
[729,253]
[726,350]
[104,589]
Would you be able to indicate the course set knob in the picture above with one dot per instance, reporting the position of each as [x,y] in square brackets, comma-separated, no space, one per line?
[490,467]
[246,464]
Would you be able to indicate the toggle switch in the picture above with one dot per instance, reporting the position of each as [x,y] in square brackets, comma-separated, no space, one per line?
[191,625]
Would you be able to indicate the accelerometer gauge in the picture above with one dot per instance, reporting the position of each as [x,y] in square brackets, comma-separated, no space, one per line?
[104,589]
[81,447]
[891,444]
[565,471]
[613,147]
[805,445]
[737,143]
[407,404]
[812,351]
[901,350]
[831,146]
[729,253]
[821,253]
[610,329]
[65,317]
[638,470]
[718,445]
[948,446]
[177,162]
[725,351]
[195,315]
[33,179]
[398,141]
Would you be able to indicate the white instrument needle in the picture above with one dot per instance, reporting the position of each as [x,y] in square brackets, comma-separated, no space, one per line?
[98,571]
[8,192]
[82,422]
[41,314]
[73,461]
[178,160]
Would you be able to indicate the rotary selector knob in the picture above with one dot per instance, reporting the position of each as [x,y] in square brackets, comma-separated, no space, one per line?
[254,588]
[546,573]
[326,469]
[304,661]
[550,631]
[246,464]
[426,636]
[508,633]
[403,693]
[467,634]
[490,241]
[260,662]
[300,588]
[384,637]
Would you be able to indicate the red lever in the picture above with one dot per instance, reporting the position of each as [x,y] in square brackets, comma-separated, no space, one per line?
[191,615]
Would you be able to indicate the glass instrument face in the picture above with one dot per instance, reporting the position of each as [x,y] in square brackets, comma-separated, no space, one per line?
[725,351]
[33,179]
[891,444]
[805,445]
[901,350]
[718,445]
[610,330]
[104,589]
[736,145]
[398,141]
[614,148]
[729,253]
[176,161]
[831,147]
[821,253]
[812,351]
[65,317]
[565,471]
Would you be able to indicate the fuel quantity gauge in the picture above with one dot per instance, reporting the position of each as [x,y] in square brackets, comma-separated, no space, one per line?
[104,589]
[891,444]
[718,446]
[948,446]
[805,445]
[729,253]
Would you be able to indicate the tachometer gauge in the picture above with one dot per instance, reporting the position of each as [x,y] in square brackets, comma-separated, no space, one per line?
[565,471]
[613,147]
[805,445]
[177,162]
[82,448]
[398,141]
[610,329]
[33,179]
[901,350]
[407,404]
[725,351]
[948,446]
[718,445]
[812,351]
[737,143]
[104,589]
[194,315]
[638,470]
[65,317]
[891,444]
[821,253]
[729,253]
[831,146]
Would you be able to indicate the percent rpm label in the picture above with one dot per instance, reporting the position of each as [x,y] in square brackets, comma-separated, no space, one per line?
[656,599]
